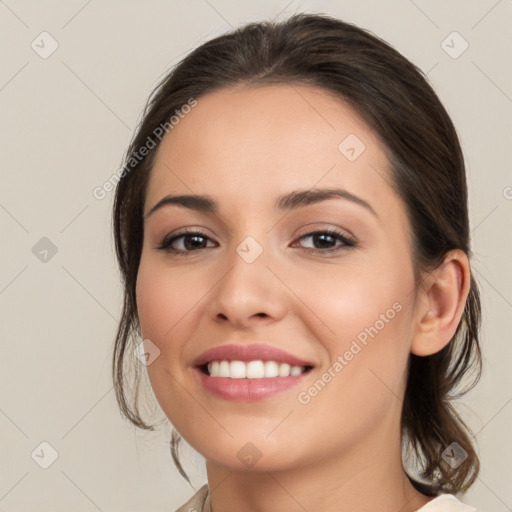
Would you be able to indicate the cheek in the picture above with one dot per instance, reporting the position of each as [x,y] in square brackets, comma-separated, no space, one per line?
[162,306]
[168,304]
[364,320]
[347,301]
[163,300]
[367,354]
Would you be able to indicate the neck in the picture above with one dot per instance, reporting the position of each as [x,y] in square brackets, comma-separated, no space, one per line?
[365,477]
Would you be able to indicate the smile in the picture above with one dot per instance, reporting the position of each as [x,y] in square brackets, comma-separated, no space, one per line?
[256,369]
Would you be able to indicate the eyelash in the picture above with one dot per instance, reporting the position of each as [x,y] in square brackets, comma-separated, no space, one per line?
[165,245]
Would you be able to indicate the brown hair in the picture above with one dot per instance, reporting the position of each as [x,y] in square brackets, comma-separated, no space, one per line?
[395,99]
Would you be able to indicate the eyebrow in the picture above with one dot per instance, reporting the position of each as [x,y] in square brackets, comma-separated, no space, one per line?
[290,201]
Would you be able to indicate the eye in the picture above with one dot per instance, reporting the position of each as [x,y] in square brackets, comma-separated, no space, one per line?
[190,241]
[326,239]
[184,243]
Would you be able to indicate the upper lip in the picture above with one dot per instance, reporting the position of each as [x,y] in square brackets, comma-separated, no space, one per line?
[246,353]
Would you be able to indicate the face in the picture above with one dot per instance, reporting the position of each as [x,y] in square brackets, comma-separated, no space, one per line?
[327,280]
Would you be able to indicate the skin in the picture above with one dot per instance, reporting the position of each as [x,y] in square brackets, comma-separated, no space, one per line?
[341,451]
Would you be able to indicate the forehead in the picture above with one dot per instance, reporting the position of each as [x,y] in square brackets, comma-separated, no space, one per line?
[246,144]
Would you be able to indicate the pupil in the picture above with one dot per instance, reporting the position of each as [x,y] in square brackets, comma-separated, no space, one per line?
[322,238]
[195,244]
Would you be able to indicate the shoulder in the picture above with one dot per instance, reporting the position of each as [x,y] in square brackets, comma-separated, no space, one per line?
[196,503]
[446,503]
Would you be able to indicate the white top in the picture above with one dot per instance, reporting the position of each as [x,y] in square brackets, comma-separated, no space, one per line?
[444,503]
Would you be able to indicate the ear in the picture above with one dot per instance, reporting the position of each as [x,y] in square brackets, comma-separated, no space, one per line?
[441,304]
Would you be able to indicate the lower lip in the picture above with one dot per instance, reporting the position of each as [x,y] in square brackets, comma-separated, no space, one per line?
[248,390]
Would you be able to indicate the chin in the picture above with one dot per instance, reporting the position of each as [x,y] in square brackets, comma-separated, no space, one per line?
[250,456]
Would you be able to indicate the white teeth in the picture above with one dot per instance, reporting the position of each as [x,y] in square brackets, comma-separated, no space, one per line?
[284,370]
[255,369]
[252,370]
[237,370]
[223,369]
[296,370]
[271,369]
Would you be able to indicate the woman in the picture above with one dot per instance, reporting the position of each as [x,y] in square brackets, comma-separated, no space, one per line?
[292,229]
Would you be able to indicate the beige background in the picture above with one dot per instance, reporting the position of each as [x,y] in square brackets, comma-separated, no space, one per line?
[65,123]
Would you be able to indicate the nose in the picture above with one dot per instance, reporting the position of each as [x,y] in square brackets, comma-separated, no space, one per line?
[248,294]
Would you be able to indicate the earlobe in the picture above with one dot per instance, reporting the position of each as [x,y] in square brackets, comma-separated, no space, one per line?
[444,297]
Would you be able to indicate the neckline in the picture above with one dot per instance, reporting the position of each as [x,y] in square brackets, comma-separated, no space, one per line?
[206,504]
[425,508]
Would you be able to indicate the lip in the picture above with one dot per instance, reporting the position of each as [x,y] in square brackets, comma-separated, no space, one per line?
[247,390]
[245,353]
